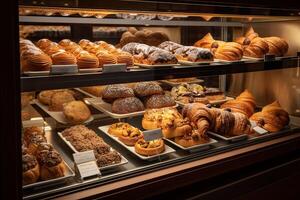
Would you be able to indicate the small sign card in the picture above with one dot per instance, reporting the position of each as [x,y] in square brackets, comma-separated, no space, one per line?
[152,135]
[109,68]
[260,130]
[86,165]
[64,69]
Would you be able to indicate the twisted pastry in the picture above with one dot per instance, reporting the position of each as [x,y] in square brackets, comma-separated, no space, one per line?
[205,42]
[272,117]
[244,103]
[277,46]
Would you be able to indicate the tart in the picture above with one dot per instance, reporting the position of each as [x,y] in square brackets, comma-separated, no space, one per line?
[150,148]
[130,136]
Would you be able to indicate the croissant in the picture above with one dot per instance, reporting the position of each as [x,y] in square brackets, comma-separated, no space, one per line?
[244,103]
[228,51]
[124,57]
[277,46]
[105,58]
[272,117]
[205,42]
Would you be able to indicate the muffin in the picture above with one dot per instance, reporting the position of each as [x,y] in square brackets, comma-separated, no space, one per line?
[76,112]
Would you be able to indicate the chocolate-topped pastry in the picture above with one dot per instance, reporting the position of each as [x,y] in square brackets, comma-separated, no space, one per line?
[34,142]
[159,101]
[52,165]
[193,54]
[24,150]
[161,57]
[127,105]
[143,89]
[31,169]
[44,146]
[112,92]
[108,159]
[170,46]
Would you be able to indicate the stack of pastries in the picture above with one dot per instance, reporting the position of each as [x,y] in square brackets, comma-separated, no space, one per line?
[255,46]
[132,136]
[272,118]
[106,53]
[192,93]
[40,161]
[188,53]
[75,111]
[33,58]
[230,51]
[57,53]
[143,95]
[84,139]
[244,103]
[150,55]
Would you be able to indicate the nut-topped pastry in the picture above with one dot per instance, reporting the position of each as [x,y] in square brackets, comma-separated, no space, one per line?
[130,135]
[112,92]
[117,129]
[127,105]
[34,142]
[52,165]
[149,148]
[31,169]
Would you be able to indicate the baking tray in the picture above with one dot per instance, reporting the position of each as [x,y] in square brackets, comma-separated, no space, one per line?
[155,66]
[229,139]
[270,134]
[173,84]
[190,63]
[104,107]
[210,102]
[196,148]
[168,149]
[69,173]
[58,115]
[123,159]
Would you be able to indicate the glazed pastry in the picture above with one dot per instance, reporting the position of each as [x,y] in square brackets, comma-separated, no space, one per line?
[58,99]
[272,118]
[229,51]
[117,129]
[149,148]
[193,54]
[112,92]
[143,89]
[34,142]
[130,136]
[127,105]
[52,165]
[31,169]
[277,46]
[76,112]
[159,101]
[244,103]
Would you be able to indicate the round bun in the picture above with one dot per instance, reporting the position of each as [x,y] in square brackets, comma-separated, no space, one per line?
[149,148]
[112,92]
[143,89]
[45,96]
[117,129]
[76,112]
[127,105]
[58,99]
[159,101]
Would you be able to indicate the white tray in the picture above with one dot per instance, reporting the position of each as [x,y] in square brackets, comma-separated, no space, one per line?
[173,84]
[186,62]
[131,148]
[123,159]
[233,61]
[229,139]
[155,66]
[252,58]
[199,147]
[210,102]
[68,173]
[89,70]
[58,116]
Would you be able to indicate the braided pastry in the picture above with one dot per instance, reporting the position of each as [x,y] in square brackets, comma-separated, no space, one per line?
[277,46]
[205,42]
[272,117]
[244,103]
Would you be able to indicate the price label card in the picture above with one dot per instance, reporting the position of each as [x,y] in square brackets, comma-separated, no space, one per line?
[85,156]
[64,69]
[88,169]
[260,130]
[152,135]
[109,68]
[253,124]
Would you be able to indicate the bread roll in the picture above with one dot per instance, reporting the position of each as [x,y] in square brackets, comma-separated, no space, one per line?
[127,105]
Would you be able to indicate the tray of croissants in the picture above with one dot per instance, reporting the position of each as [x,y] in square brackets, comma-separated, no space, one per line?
[42,163]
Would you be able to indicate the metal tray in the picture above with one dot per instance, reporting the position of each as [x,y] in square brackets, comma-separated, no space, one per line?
[155,66]
[186,62]
[229,139]
[123,159]
[196,148]
[69,173]
[90,70]
[59,116]
[287,129]
[36,73]
[210,102]
[173,84]
[168,149]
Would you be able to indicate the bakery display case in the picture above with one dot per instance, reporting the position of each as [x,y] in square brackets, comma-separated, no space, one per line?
[120,98]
